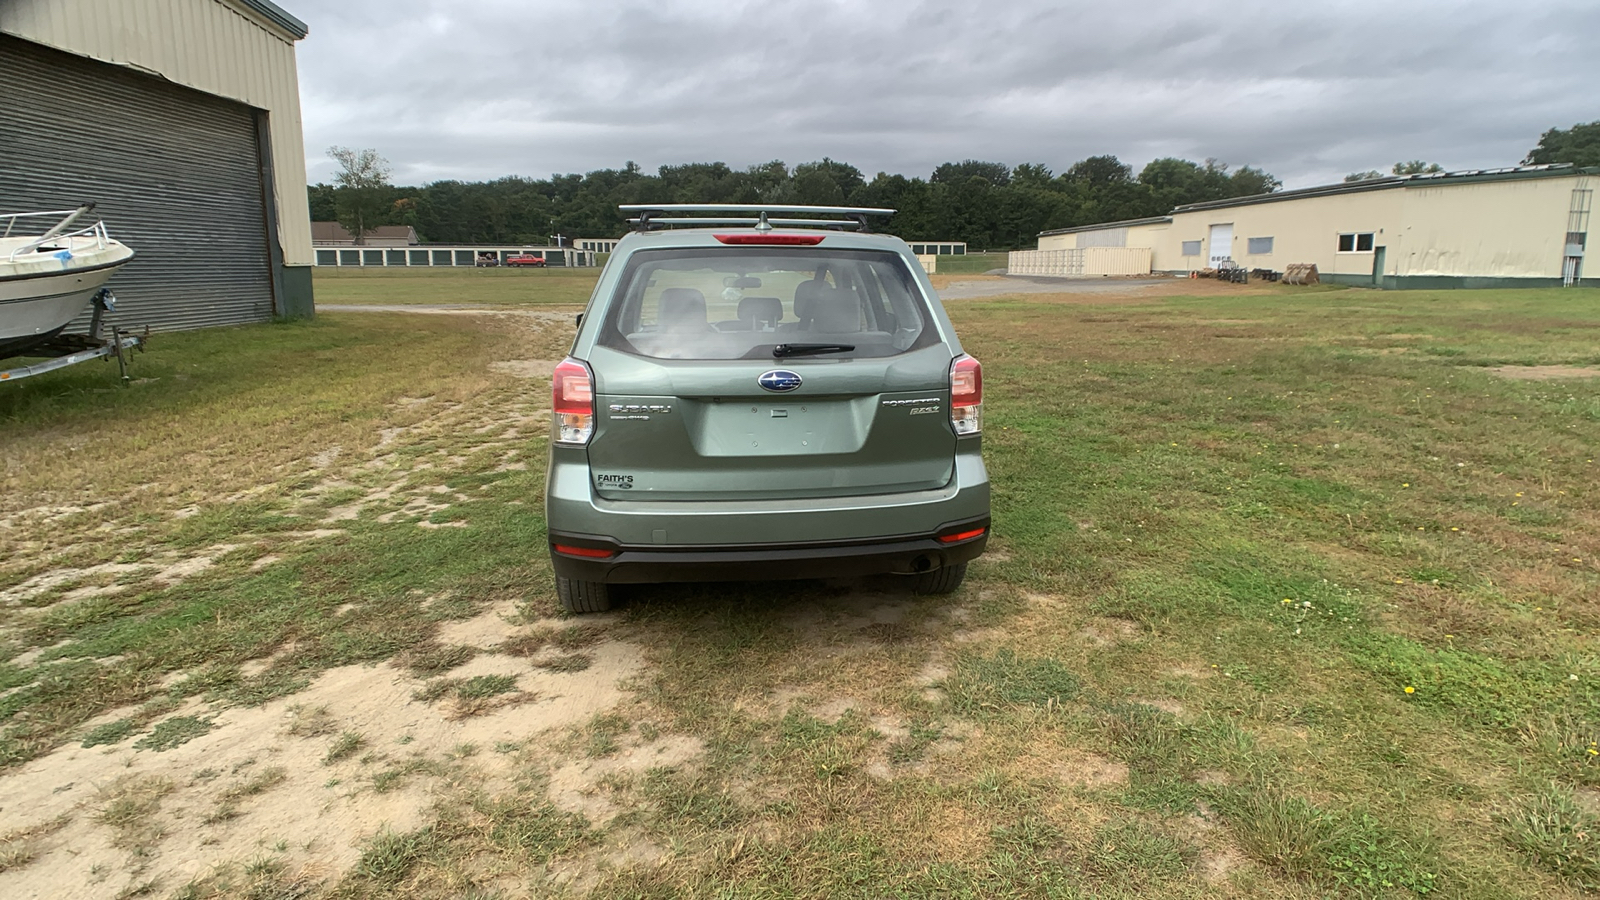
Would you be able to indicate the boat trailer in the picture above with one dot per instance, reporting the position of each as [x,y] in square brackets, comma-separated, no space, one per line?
[70,349]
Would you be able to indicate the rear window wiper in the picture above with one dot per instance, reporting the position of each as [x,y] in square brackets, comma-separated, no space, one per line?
[803,349]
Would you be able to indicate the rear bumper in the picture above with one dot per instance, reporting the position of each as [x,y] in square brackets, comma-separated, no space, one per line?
[901,555]
[766,539]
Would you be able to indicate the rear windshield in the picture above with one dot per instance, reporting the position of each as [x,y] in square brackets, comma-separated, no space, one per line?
[741,303]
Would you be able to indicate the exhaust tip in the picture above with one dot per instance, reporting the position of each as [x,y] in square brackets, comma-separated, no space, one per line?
[921,564]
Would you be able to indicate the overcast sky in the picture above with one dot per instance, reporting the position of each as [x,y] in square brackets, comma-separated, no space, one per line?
[1307,91]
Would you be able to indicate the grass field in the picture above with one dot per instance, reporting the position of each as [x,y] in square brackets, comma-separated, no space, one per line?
[972,263]
[1291,595]
[467,287]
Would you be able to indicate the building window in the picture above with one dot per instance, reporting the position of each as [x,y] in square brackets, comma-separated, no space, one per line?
[349,257]
[1360,242]
[327,257]
[419,257]
[1259,246]
[395,258]
[372,257]
[441,257]
[1191,248]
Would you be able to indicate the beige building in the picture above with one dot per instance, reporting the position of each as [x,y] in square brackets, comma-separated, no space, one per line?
[180,119]
[1526,225]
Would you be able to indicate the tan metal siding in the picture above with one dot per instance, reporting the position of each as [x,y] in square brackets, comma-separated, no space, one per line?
[209,45]
[1504,229]
[1303,231]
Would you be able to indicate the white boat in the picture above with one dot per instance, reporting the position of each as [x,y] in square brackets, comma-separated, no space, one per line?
[50,276]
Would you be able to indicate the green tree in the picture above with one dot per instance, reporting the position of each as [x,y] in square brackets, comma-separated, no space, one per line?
[1579,145]
[1249,181]
[997,174]
[323,202]
[1031,175]
[1368,175]
[361,186]
[1417,167]
[1100,170]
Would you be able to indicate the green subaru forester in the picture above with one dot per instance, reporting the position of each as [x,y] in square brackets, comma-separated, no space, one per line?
[756,398]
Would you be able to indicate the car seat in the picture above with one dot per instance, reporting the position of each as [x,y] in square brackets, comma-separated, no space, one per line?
[682,310]
[759,313]
[805,301]
[836,312]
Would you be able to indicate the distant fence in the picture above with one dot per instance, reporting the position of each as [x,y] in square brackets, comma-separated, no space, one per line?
[1084,262]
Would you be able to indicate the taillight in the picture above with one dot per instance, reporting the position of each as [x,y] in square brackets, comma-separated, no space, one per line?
[756,237]
[967,535]
[572,400]
[966,395]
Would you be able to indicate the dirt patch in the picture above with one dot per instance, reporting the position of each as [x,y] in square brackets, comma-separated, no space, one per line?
[580,786]
[1544,373]
[525,368]
[1105,632]
[1079,769]
[255,783]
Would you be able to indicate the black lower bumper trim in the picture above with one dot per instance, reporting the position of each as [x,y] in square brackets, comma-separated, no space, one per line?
[645,565]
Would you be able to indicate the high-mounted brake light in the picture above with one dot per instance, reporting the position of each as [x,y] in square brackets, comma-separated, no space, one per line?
[572,400]
[792,240]
[966,395]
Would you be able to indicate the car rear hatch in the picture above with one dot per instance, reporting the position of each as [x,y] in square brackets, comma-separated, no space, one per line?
[696,401]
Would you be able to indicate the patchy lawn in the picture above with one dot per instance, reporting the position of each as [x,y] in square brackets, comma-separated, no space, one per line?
[1292,594]
[463,286]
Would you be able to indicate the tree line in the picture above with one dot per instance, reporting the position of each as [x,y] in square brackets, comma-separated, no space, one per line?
[989,205]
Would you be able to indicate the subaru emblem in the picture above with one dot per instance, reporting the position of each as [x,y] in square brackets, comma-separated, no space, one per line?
[779,381]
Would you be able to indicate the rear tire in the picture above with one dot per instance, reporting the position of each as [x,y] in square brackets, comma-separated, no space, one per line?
[583,596]
[943,580]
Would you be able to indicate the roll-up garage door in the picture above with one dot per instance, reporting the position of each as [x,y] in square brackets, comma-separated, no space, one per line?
[175,173]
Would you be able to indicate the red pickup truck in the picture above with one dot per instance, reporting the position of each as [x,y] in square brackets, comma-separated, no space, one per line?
[529,260]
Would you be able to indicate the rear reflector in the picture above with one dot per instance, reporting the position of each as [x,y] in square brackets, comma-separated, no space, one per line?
[590,552]
[792,240]
[961,536]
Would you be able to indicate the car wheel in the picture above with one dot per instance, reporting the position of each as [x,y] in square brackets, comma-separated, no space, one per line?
[943,580]
[583,596]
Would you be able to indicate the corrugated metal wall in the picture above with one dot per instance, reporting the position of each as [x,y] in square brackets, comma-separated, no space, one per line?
[209,45]
[175,174]
[1085,262]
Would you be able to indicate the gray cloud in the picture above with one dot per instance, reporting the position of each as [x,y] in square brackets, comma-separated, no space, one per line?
[496,87]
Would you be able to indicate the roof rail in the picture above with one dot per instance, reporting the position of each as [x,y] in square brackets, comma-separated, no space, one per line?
[654,215]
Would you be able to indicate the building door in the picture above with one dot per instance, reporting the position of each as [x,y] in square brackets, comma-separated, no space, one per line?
[1221,244]
[174,172]
[1377,266]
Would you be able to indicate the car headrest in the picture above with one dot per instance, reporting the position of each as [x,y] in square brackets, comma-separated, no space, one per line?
[682,309]
[836,312]
[760,309]
[805,298]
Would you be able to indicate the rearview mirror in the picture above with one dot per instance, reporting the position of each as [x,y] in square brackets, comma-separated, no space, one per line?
[747,281]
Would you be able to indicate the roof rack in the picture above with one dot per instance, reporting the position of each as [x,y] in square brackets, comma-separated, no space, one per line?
[653,215]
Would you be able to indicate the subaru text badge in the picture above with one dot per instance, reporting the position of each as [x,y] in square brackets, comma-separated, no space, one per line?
[779,380]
